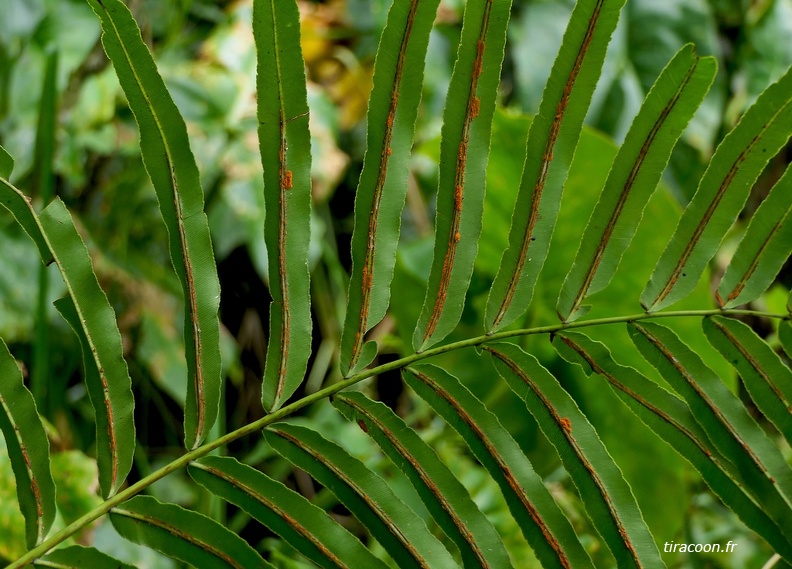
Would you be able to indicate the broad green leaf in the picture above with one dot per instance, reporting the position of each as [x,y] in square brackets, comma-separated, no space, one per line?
[464,152]
[673,421]
[717,409]
[28,449]
[79,557]
[93,319]
[307,528]
[174,174]
[542,522]
[444,496]
[606,494]
[740,158]
[112,401]
[184,535]
[285,145]
[764,248]
[643,156]
[551,145]
[21,208]
[6,164]
[393,524]
[767,379]
[379,200]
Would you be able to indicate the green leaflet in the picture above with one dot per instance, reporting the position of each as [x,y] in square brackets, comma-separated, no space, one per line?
[21,208]
[174,174]
[464,152]
[716,409]
[672,420]
[544,525]
[606,494]
[28,449]
[552,140]
[636,170]
[785,337]
[184,535]
[307,528]
[767,379]
[379,200]
[6,163]
[739,159]
[444,496]
[94,321]
[113,404]
[394,525]
[79,557]
[764,248]
[285,145]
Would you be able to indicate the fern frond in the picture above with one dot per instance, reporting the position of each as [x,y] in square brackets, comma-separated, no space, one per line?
[379,199]
[442,494]
[739,159]
[551,145]
[28,449]
[303,525]
[540,519]
[171,166]
[608,498]
[393,524]
[464,152]
[632,180]
[765,247]
[184,535]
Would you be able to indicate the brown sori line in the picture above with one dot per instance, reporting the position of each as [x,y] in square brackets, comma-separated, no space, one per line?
[566,427]
[547,158]
[374,506]
[697,388]
[455,235]
[190,294]
[425,478]
[293,523]
[516,487]
[110,428]
[176,532]
[752,361]
[753,266]
[611,226]
[286,183]
[368,264]
[690,246]
[33,484]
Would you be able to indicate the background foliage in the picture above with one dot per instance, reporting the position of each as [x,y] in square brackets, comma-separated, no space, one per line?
[205,52]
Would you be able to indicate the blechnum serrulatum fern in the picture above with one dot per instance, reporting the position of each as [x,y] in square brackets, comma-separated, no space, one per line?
[667,384]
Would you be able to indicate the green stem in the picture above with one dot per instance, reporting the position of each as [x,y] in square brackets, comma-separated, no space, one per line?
[284,412]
